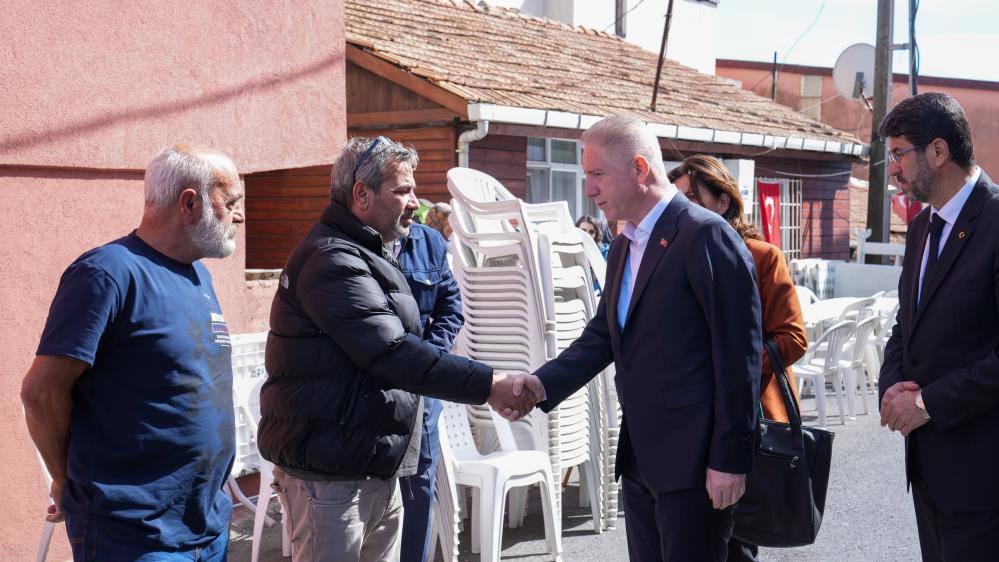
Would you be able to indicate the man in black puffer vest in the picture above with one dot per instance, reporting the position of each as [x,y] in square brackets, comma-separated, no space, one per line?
[345,362]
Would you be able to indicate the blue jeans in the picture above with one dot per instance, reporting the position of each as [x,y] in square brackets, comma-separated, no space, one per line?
[418,490]
[91,544]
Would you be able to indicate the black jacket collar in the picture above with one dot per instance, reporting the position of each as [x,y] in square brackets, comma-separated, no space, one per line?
[339,217]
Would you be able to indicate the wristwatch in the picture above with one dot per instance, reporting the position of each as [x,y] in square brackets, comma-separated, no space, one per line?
[921,405]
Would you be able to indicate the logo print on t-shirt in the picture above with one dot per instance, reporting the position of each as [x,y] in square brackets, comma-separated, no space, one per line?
[220,329]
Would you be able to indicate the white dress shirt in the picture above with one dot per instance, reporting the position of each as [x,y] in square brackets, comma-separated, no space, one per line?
[638,239]
[949,213]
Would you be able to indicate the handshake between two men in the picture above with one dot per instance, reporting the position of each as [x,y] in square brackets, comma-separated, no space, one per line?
[515,395]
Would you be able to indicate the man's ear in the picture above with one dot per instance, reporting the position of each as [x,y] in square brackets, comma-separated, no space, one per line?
[361,195]
[641,168]
[190,205]
[939,152]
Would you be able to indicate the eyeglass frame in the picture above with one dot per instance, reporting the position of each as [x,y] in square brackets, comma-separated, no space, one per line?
[895,156]
[364,157]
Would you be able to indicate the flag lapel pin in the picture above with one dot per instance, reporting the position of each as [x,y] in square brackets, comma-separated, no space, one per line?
[663,242]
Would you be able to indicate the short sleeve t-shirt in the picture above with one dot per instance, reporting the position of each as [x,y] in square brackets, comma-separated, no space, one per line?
[152,433]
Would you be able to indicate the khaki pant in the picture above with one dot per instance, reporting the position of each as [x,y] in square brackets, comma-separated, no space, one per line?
[341,521]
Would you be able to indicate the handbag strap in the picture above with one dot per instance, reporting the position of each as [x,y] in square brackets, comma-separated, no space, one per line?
[790,404]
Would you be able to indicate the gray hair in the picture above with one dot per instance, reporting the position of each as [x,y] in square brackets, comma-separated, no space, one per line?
[181,167]
[367,160]
[629,136]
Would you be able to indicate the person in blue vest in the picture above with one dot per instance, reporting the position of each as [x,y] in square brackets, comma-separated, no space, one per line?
[423,259]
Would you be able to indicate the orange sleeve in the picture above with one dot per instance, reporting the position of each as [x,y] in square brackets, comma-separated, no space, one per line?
[782,322]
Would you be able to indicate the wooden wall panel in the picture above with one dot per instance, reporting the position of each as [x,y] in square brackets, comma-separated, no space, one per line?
[505,158]
[281,207]
[368,92]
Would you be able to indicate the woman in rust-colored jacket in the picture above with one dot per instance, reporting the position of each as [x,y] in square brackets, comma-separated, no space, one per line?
[708,183]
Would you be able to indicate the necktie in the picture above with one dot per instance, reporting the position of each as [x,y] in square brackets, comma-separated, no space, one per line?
[936,229]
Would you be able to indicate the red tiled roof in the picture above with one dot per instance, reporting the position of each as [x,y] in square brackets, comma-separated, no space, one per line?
[501,56]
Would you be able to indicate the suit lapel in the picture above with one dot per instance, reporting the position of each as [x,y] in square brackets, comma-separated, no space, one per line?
[659,243]
[615,269]
[913,257]
[958,238]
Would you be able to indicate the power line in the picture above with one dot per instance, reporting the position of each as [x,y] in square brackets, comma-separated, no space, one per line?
[621,17]
[815,20]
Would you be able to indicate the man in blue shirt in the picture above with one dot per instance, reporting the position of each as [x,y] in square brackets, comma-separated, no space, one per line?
[129,399]
[423,259]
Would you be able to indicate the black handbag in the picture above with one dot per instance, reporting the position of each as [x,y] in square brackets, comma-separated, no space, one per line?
[786,492]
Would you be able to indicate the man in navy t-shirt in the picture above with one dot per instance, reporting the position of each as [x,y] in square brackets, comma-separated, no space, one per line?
[129,399]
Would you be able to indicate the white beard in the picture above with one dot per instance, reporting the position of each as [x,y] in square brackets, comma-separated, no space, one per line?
[210,236]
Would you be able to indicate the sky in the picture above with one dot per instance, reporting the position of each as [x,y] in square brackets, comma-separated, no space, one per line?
[956,38]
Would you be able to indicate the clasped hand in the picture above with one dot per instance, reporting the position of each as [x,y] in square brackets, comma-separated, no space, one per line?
[898,408]
[515,395]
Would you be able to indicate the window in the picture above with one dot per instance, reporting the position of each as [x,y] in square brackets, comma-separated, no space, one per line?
[555,173]
[790,215]
[811,96]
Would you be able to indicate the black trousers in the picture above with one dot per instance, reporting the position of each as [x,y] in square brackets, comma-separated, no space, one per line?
[954,536]
[678,526]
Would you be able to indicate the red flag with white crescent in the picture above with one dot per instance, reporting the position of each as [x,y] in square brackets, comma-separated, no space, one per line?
[770,210]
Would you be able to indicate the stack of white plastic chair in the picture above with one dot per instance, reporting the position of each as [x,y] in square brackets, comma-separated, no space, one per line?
[512,321]
[445,521]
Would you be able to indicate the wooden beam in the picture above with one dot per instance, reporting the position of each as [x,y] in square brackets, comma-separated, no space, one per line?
[401,117]
[407,80]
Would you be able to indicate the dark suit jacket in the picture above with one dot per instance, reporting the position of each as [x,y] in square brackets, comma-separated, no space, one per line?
[688,360]
[949,347]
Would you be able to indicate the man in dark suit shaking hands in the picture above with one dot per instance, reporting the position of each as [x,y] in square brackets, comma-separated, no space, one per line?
[680,318]
[940,378]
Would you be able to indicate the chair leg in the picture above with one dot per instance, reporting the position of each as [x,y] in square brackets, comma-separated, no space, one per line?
[43,544]
[553,527]
[518,507]
[861,376]
[838,381]
[820,400]
[263,499]
[491,524]
[850,388]
[476,517]
[588,470]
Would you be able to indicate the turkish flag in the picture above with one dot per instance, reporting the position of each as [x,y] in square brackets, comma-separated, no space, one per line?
[904,208]
[770,210]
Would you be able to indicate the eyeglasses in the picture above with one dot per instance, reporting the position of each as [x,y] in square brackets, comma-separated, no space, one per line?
[896,155]
[367,153]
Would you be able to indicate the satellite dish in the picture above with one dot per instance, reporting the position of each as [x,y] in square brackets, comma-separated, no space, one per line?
[853,74]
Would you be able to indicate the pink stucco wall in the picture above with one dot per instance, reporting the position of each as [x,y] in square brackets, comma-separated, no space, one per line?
[90,93]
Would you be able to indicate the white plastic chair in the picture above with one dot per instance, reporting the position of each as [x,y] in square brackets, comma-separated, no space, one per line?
[806,296]
[852,362]
[817,370]
[491,477]
[251,408]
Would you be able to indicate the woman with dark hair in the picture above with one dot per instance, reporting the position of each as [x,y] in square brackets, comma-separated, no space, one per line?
[708,183]
[593,227]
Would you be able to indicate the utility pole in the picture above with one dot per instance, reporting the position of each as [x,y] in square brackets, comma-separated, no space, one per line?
[877,210]
[913,54]
[662,53]
[773,79]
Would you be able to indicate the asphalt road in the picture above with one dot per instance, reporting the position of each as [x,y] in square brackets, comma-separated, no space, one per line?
[868,514]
